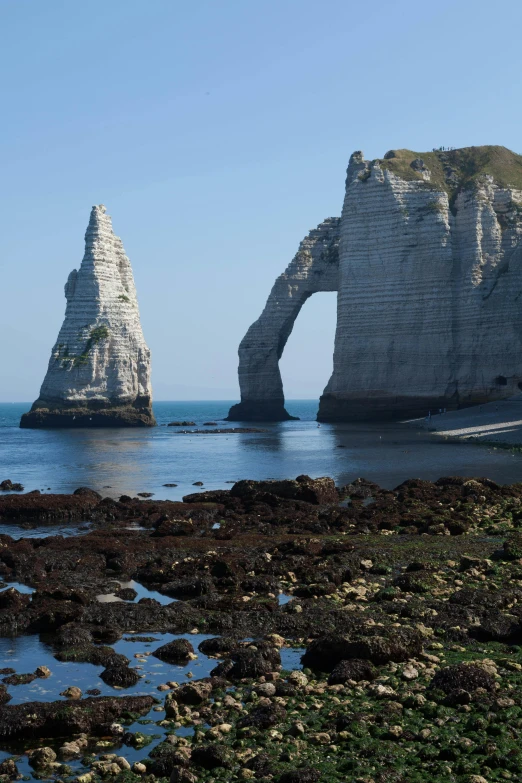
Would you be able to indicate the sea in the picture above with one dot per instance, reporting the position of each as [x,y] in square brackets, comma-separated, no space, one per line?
[128,461]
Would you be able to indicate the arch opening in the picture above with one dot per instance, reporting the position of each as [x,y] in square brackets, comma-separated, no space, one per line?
[307,360]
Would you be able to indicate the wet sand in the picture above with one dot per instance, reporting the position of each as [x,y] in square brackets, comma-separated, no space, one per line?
[495,422]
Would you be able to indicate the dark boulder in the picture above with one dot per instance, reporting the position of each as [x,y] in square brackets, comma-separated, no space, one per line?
[120,676]
[5,696]
[379,645]
[9,486]
[181,775]
[308,775]
[263,717]
[461,682]
[178,652]
[188,588]
[218,645]
[352,670]
[126,594]
[211,756]
[86,492]
[318,491]
[9,769]
[165,758]
[252,663]
[92,653]
[13,601]
[261,765]
[193,692]
[19,679]
[57,719]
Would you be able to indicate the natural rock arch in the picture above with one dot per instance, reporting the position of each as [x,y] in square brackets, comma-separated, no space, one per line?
[426,260]
[314,268]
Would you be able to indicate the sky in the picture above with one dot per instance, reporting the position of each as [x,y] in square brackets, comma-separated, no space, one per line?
[217,133]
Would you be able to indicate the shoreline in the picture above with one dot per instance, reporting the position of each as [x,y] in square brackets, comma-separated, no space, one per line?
[290,627]
[492,424]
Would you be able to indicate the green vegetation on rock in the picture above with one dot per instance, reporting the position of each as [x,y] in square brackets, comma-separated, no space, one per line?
[464,165]
[97,334]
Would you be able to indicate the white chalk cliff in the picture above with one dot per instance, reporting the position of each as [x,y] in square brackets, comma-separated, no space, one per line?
[429,307]
[99,370]
[314,268]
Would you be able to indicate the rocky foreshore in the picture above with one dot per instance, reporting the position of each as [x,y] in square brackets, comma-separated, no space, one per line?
[406,604]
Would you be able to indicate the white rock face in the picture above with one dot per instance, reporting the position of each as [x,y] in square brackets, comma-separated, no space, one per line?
[99,370]
[429,311]
[314,268]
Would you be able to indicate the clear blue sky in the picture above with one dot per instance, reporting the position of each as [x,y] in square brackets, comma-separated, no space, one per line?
[217,132]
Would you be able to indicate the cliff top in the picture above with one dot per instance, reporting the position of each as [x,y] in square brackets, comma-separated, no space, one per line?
[454,169]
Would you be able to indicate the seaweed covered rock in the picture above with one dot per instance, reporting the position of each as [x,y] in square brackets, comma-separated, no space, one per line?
[9,486]
[60,719]
[42,758]
[181,775]
[193,692]
[165,758]
[218,646]
[263,717]
[9,769]
[352,670]
[307,775]
[11,600]
[513,547]
[179,651]
[120,676]
[316,491]
[379,645]
[461,682]
[211,756]
[5,696]
[249,663]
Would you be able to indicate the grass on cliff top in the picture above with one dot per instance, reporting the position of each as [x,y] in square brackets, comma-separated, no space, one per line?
[468,163]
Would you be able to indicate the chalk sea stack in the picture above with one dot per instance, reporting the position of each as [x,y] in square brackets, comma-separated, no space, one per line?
[99,370]
[427,262]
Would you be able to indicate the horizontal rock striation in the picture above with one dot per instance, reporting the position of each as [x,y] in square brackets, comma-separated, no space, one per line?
[429,281]
[314,268]
[431,275]
[99,370]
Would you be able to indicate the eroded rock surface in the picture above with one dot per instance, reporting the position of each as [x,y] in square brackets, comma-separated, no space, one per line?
[314,268]
[99,370]
[428,267]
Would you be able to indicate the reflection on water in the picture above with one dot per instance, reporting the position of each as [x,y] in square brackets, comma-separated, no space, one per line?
[43,531]
[142,592]
[128,461]
[18,586]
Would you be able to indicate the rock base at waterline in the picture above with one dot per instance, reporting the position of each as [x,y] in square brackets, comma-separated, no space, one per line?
[338,409]
[88,416]
[260,410]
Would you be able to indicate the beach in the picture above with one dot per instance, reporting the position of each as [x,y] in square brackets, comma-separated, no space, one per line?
[496,422]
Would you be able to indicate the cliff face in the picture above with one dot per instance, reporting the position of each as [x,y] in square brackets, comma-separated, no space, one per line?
[99,370]
[314,268]
[429,286]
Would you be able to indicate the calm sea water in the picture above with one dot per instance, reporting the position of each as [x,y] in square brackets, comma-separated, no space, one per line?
[130,461]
